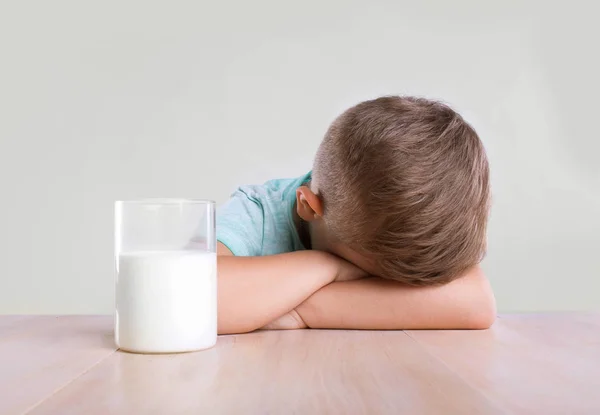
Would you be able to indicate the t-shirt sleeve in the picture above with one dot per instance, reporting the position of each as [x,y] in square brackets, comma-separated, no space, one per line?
[240,224]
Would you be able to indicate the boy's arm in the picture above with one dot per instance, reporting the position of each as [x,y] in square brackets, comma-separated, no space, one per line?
[377,304]
[253,291]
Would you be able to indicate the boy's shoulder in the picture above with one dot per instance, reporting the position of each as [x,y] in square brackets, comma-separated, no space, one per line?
[274,190]
[258,220]
[284,186]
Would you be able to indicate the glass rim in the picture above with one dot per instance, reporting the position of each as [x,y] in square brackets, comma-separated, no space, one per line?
[165,201]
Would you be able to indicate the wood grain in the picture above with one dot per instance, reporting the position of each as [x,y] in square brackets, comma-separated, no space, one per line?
[8,322]
[525,364]
[528,364]
[39,355]
[285,372]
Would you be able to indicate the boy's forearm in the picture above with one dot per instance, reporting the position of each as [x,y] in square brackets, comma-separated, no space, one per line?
[253,291]
[376,304]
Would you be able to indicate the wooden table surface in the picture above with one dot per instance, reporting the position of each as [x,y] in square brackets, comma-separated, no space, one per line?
[526,364]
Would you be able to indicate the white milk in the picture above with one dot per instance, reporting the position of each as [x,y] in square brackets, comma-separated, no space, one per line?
[166,301]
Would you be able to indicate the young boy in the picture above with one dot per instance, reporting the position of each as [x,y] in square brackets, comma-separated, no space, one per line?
[386,232]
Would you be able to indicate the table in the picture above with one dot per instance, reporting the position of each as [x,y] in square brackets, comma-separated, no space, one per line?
[525,364]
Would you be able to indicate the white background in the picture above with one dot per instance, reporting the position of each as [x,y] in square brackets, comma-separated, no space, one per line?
[119,99]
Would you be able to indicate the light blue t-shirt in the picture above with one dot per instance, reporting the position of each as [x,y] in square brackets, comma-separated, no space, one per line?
[258,220]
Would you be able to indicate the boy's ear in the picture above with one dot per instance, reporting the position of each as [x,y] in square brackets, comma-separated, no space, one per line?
[308,204]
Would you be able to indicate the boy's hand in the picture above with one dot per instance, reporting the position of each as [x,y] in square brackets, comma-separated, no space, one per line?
[347,271]
[289,321]
[255,291]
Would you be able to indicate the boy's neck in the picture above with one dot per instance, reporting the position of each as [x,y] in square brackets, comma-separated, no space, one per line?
[302,229]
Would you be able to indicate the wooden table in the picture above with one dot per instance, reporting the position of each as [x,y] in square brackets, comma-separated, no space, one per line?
[525,364]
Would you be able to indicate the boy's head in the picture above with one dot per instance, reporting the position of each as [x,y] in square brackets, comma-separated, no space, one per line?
[401,188]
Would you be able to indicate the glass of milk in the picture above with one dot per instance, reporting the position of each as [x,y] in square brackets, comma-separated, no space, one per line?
[166,284]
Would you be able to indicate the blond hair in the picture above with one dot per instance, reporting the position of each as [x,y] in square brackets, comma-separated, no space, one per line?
[406,181]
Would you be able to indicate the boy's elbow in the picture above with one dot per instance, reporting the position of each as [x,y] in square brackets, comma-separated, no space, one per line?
[482,312]
[483,318]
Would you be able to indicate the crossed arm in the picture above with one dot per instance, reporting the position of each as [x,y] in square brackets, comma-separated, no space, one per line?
[303,289]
